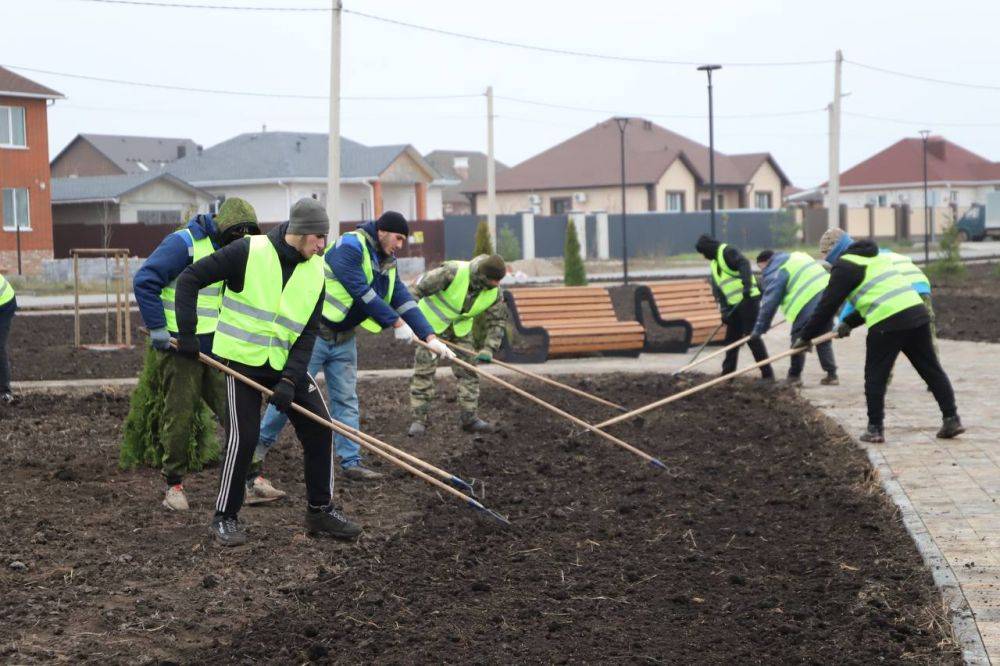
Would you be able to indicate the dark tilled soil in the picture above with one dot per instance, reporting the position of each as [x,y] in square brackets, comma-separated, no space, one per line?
[767,543]
[41,347]
[969,309]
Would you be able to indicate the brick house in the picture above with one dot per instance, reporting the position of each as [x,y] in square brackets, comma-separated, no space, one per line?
[25,182]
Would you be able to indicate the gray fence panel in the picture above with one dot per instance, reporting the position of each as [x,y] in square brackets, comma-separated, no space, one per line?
[666,234]
[550,235]
[460,235]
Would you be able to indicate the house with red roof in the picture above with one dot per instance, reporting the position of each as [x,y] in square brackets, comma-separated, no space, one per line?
[25,183]
[956,177]
[664,172]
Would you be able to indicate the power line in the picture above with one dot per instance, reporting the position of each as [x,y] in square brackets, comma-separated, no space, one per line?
[581,54]
[243,93]
[918,77]
[461,35]
[567,107]
[924,123]
[177,5]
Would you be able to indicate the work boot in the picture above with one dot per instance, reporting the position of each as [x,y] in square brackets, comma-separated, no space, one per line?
[260,491]
[765,380]
[951,426]
[329,521]
[472,423]
[228,531]
[794,381]
[873,435]
[175,499]
[416,429]
[830,380]
[361,473]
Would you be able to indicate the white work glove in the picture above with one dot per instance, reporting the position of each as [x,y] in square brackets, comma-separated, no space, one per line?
[403,332]
[441,349]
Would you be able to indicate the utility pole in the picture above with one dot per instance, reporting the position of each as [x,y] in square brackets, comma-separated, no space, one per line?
[708,69]
[833,217]
[491,173]
[333,160]
[927,206]
[622,124]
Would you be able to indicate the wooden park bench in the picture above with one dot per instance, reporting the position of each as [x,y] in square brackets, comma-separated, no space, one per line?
[567,321]
[677,303]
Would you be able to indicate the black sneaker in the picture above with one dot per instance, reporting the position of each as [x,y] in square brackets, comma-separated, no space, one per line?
[950,427]
[873,435]
[793,380]
[330,521]
[228,532]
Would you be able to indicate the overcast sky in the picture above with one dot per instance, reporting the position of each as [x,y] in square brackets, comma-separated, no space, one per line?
[288,53]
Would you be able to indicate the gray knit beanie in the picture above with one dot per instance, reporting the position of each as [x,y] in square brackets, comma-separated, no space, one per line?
[308,217]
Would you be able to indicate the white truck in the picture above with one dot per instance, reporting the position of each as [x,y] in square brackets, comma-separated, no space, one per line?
[982,220]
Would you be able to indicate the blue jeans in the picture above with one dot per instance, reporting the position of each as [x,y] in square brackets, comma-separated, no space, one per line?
[339,362]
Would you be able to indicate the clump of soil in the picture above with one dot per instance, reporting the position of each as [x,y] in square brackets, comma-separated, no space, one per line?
[767,542]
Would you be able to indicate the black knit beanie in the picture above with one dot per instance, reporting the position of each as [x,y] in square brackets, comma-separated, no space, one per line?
[393,222]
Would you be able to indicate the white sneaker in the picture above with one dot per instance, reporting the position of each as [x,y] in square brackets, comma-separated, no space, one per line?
[261,491]
[175,499]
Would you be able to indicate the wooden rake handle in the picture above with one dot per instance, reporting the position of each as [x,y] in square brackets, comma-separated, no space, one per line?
[350,434]
[717,352]
[552,408]
[539,377]
[713,382]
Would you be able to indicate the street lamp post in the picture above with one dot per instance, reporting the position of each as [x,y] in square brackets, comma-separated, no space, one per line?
[708,69]
[927,218]
[622,122]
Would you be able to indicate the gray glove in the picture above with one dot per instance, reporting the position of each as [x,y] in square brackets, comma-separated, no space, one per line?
[843,329]
[160,338]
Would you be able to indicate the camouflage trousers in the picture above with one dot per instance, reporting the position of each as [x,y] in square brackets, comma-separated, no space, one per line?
[423,386]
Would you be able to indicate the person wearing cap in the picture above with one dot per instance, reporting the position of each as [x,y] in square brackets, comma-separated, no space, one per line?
[794,282]
[736,291]
[451,296]
[8,306]
[886,302]
[184,383]
[363,289]
[271,307]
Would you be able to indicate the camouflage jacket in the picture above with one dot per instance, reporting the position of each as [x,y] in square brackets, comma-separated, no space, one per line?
[496,315]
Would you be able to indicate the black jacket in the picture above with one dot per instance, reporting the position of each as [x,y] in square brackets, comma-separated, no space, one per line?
[844,278]
[709,248]
[230,264]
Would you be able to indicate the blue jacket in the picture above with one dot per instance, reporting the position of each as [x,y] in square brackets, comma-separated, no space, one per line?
[168,260]
[345,261]
[775,284]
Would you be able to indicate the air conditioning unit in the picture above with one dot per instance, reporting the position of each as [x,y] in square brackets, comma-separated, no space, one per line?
[536,209]
[534,199]
[872,200]
[904,198]
[580,197]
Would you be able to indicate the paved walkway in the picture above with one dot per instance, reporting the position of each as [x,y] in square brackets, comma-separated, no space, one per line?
[947,491]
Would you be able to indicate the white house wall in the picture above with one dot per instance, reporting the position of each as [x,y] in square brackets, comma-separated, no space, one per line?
[161,195]
[914,196]
[273,202]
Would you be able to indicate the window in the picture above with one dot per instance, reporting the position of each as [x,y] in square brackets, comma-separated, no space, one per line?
[762,200]
[15,210]
[561,205]
[675,202]
[12,132]
[158,216]
[461,163]
[883,200]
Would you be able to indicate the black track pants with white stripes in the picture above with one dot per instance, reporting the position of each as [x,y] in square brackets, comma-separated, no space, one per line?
[243,430]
